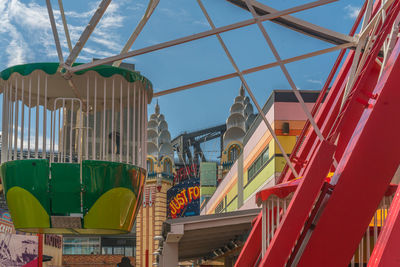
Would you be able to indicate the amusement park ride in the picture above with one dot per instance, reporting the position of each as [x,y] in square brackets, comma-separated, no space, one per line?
[323,212]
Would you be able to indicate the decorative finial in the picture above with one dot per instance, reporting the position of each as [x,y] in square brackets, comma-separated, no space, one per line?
[241,90]
[157,108]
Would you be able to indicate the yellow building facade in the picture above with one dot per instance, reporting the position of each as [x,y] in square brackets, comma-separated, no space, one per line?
[260,161]
[160,175]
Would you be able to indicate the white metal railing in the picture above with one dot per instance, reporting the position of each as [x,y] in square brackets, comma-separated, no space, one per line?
[101,119]
[367,243]
[69,136]
[272,211]
[274,208]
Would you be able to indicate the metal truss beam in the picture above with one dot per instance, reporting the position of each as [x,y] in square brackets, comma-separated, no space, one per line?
[55,32]
[252,70]
[87,32]
[298,25]
[197,36]
[64,20]
[149,11]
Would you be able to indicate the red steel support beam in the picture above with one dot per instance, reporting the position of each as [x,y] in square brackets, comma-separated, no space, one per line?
[363,175]
[286,173]
[386,251]
[252,249]
[297,213]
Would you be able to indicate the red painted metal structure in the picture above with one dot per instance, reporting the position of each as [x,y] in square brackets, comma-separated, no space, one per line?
[40,250]
[325,229]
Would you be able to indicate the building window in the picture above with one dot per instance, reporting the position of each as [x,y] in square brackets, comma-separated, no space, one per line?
[81,245]
[129,251]
[150,165]
[220,207]
[106,250]
[233,152]
[167,166]
[258,164]
[119,251]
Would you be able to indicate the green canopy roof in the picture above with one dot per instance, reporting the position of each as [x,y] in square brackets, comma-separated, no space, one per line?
[51,68]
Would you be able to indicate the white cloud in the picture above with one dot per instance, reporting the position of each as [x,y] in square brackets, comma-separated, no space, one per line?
[201,22]
[26,36]
[314,81]
[352,11]
[110,44]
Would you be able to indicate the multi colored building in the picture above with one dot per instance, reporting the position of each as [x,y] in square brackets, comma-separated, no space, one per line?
[160,168]
[258,161]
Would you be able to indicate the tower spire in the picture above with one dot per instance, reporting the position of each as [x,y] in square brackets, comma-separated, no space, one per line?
[241,90]
[157,108]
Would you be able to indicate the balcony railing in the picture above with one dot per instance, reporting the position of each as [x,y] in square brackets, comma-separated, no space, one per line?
[274,207]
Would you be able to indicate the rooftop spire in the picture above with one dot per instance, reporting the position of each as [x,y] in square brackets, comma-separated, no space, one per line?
[157,108]
[241,90]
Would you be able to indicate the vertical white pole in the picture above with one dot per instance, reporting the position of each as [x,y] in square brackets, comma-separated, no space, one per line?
[5,124]
[37,120]
[112,121]
[79,129]
[145,129]
[272,218]
[134,107]
[29,115]
[141,128]
[362,252]
[44,118]
[121,124]
[108,120]
[52,133]
[104,123]
[10,122]
[70,131]
[128,111]
[264,228]
[139,116]
[95,123]
[60,138]
[277,211]
[16,107]
[64,124]
[87,119]
[21,155]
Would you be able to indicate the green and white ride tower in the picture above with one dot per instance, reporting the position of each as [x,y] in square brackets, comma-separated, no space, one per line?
[73,150]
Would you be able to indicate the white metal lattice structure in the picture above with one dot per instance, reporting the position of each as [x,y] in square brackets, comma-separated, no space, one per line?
[104,118]
[341,41]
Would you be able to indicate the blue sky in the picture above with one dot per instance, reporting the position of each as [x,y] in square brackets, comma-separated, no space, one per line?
[25,36]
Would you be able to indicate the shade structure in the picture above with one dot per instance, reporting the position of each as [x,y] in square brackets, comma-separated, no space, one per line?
[73,148]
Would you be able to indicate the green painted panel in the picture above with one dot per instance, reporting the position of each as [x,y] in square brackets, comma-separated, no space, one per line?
[232,206]
[25,209]
[29,174]
[207,190]
[65,188]
[113,210]
[101,176]
[255,184]
[208,173]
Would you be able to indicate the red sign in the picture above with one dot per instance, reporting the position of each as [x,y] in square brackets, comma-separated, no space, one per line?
[190,171]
